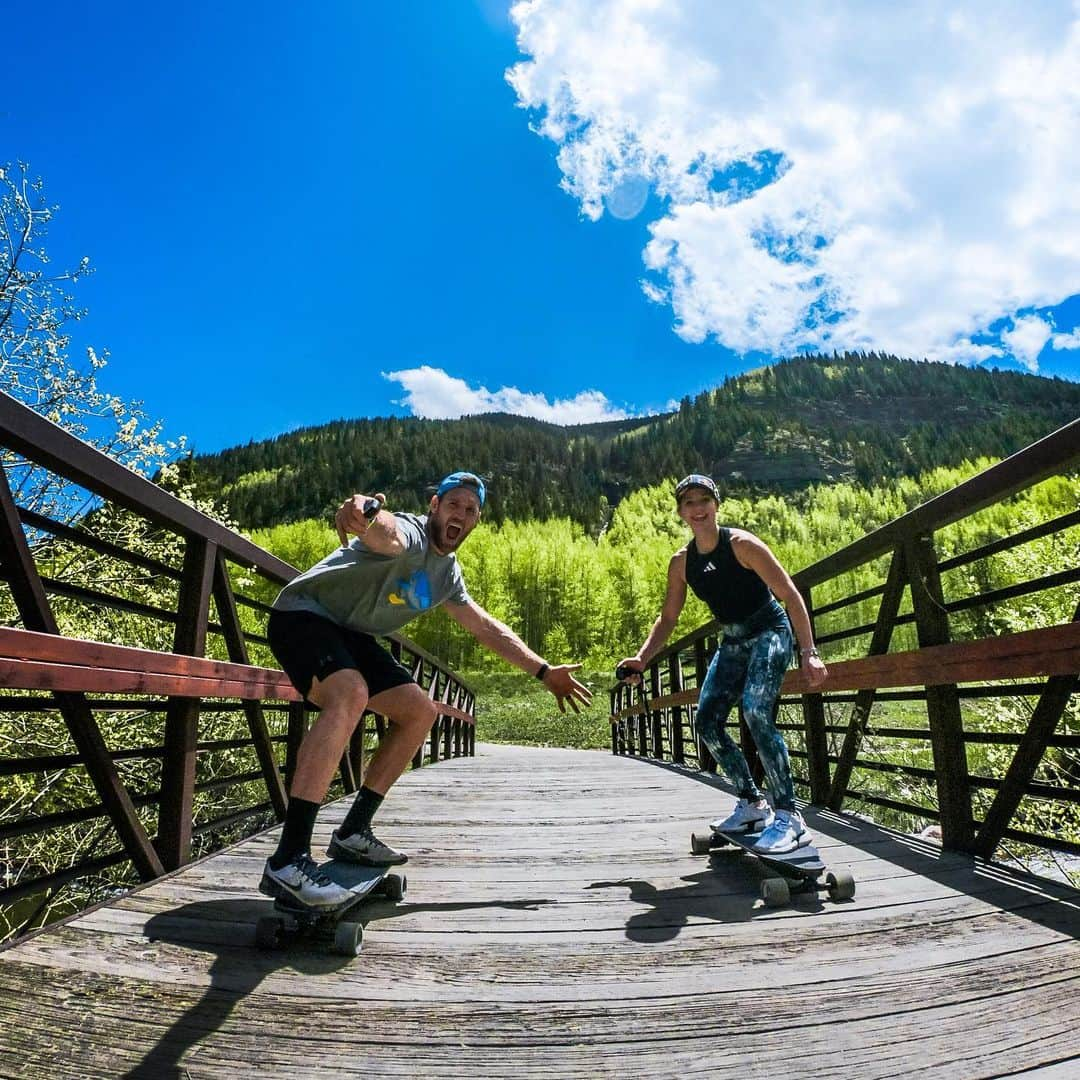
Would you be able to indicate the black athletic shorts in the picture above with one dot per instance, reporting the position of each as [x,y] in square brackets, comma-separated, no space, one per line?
[309,647]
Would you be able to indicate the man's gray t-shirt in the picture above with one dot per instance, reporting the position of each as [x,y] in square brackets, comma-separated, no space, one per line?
[373,593]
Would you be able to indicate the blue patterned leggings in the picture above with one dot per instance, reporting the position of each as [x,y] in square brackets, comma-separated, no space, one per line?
[750,663]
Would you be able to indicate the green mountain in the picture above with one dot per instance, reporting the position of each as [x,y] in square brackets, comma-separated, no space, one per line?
[780,428]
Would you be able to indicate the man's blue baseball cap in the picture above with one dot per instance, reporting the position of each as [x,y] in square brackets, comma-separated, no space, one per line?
[463,479]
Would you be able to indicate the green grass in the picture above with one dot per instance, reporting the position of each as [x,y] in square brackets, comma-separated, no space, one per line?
[512,708]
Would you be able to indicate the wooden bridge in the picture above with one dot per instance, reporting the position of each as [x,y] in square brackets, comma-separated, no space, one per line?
[556,923]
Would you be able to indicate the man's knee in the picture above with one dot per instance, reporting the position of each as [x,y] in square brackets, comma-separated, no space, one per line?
[417,717]
[408,708]
[343,691]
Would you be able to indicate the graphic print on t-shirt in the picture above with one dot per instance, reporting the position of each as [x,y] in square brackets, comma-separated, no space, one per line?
[415,592]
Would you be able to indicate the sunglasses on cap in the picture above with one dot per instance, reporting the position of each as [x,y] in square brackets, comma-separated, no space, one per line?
[696,480]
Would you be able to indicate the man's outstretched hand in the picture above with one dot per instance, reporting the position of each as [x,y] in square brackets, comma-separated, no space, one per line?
[356,514]
[630,671]
[561,682]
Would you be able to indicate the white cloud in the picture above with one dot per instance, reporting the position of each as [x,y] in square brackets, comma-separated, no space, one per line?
[1066,341]
[924,162]
[432,393]
[1026,339]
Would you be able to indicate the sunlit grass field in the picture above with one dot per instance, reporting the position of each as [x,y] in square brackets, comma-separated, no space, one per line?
[512,708]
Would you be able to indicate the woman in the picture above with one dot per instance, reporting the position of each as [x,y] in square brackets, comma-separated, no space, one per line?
[740,580]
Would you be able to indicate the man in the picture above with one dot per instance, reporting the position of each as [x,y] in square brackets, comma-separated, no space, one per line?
[740,580]
[323,632]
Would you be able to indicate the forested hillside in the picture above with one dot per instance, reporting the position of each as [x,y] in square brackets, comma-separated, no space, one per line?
[861,418]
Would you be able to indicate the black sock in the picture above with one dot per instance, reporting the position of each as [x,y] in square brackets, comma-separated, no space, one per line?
[358,819]
[296,832]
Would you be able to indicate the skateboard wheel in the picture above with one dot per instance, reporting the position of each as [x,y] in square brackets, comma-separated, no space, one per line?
[775,892]
[701,843]
[393,886]
[348,938]
[270,933]
[841,885]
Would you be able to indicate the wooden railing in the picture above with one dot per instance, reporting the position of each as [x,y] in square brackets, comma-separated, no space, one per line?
[934,730]
[172,731]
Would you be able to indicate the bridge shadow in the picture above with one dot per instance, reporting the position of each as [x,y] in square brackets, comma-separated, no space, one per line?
[1024,894]
[1011,889]
[226,930]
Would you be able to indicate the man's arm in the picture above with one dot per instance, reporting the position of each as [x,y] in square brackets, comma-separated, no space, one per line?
[756,555]
[674,601]
[500,639]
[379,531]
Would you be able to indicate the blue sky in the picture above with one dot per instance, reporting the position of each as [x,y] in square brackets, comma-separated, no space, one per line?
[302,212]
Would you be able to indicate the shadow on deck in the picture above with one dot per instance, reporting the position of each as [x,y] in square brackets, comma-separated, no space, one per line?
[557,925]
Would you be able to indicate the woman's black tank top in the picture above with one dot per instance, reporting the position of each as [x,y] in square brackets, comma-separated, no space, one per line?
[732,592]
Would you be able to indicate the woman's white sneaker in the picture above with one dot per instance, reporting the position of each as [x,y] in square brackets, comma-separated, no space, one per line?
[748,816]
[787,832]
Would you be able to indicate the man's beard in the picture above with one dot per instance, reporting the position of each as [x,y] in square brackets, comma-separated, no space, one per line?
[440,540]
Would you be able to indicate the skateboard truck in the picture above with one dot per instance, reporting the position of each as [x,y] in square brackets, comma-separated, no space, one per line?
[794,872]
[336,927]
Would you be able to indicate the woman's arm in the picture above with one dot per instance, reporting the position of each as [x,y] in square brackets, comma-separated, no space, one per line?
[674,601]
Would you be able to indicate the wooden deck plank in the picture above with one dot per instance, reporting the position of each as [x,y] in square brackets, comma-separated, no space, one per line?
[556,925]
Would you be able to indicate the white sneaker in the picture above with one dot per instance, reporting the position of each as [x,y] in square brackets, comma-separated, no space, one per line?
[787,832]
[304,882]
[364,848]
[745,818]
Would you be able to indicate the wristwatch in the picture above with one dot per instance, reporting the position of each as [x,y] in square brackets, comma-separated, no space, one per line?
[812,651]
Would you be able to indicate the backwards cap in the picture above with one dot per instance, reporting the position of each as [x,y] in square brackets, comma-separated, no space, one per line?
[696,480]
[463,479]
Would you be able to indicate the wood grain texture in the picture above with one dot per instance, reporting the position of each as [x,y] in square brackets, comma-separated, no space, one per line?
[556,925]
